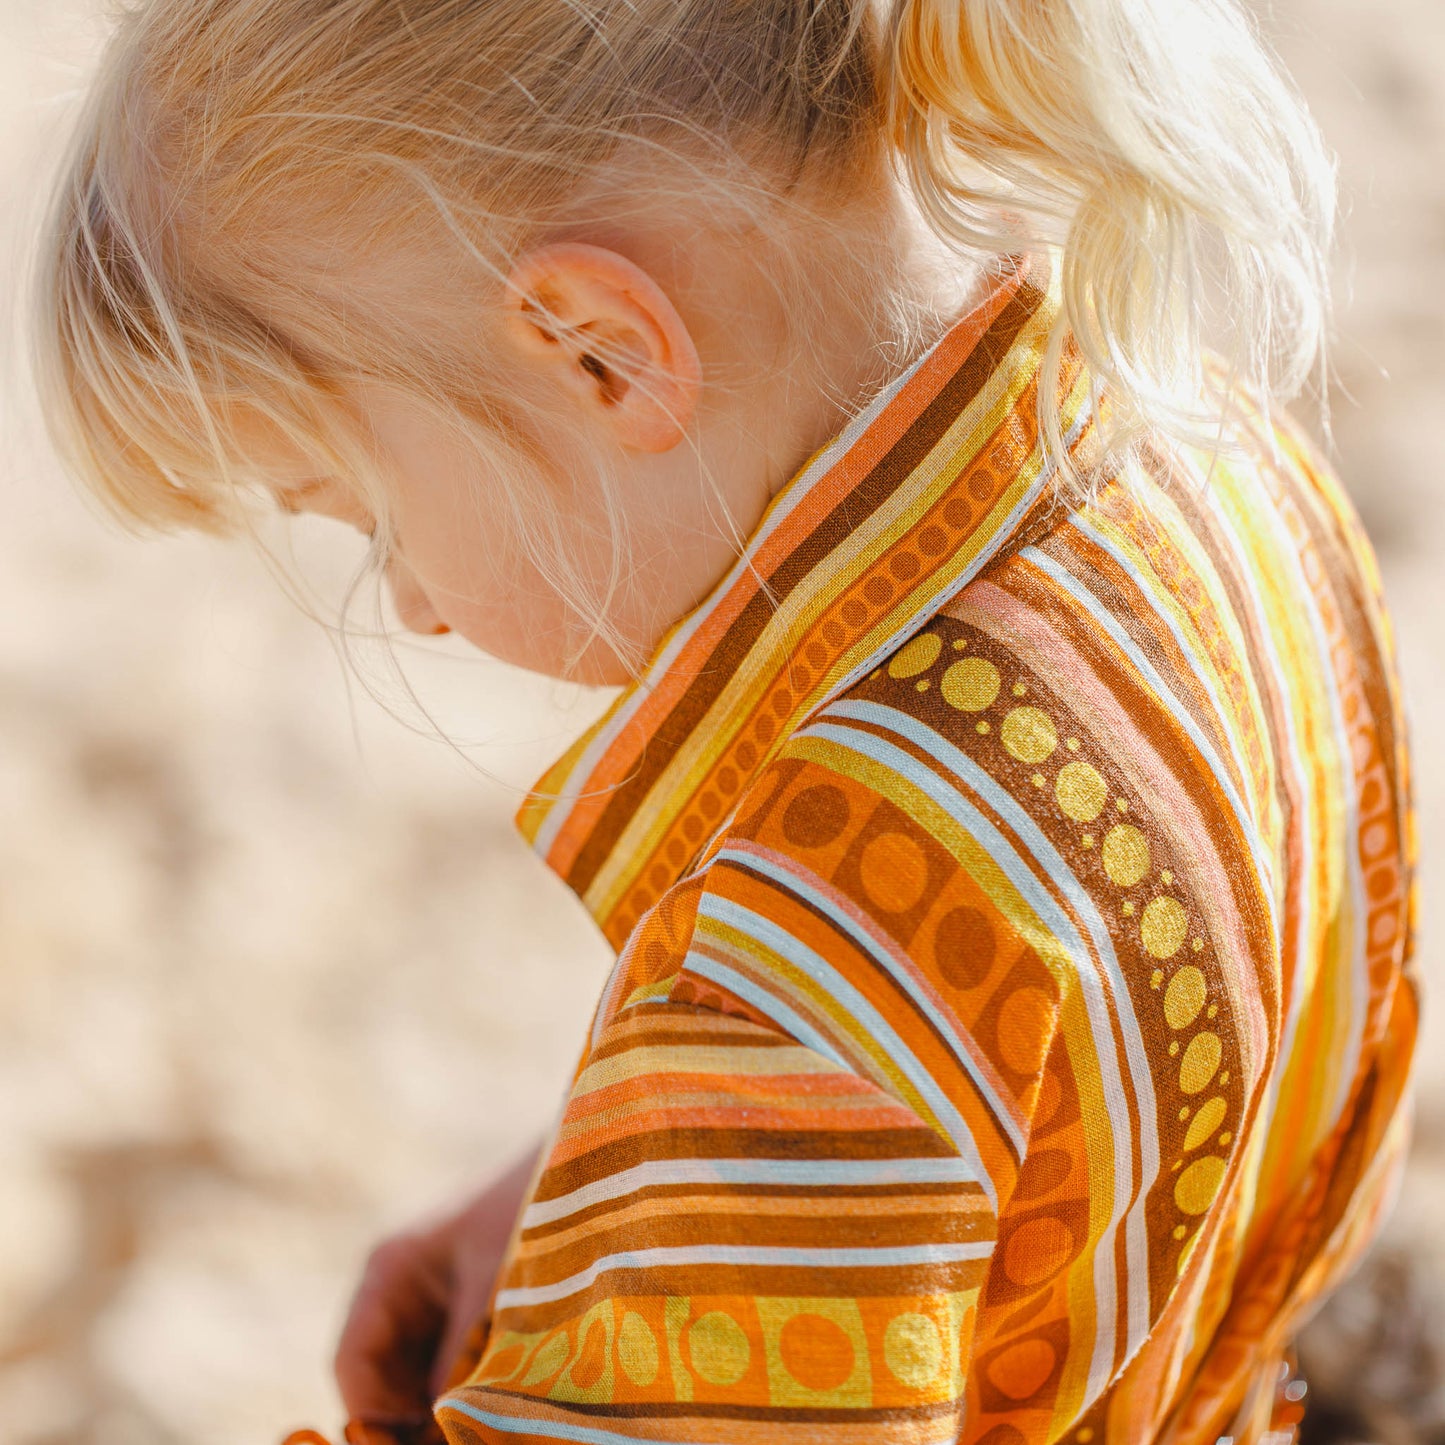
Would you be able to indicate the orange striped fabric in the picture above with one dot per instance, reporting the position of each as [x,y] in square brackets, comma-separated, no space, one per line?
[1012,1013]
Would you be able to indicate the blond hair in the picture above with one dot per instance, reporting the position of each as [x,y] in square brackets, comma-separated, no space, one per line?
[1153,142]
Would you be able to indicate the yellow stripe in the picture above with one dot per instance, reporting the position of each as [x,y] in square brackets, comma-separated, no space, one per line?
[699,1059]
[954,452]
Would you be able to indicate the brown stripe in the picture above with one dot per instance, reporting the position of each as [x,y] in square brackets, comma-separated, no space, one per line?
[892,471]
[883,976]
[613,1156]
[545,1259]
[705,1034]
[487,1398]
[1137,700]
[1134,613]
[797,1281]
[947,1197]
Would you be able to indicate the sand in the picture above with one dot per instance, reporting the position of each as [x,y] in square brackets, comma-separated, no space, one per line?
[277,973]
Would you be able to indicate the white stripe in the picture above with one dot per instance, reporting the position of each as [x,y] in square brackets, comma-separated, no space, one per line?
[1146,669]
[680,1256]
[874,1025]
[1293,763]
[530,1426]
[1138,1286]
[1056,866]
[881,949]
[1058,922]
[815,1173]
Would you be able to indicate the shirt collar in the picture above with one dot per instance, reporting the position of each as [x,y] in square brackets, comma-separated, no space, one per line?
[876,533]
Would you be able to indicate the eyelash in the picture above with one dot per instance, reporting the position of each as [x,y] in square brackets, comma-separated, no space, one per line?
[290,502]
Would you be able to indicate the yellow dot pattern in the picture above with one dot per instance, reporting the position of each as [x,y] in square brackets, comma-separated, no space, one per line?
[1126,855]
[1163,927]
[916,656]
[1196,1187]
[548,1360]
[1200,1063]
[913,1350]
[1206,1121]
[821,1353]
[1030,735]
[1081,792]
[1184,997]
[637,1350]
[719,1348]
[971,685]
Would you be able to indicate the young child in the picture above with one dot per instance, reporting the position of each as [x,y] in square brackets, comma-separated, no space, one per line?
[1004,827]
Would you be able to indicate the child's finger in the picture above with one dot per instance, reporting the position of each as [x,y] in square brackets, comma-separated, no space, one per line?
[466,1314]
[384,1356]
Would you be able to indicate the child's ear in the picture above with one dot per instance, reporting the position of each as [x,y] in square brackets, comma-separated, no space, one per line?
[608,332]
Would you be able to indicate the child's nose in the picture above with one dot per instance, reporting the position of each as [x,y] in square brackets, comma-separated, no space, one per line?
[413,607]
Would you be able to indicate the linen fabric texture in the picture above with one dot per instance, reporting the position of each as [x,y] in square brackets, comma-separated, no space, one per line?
[1012,1015]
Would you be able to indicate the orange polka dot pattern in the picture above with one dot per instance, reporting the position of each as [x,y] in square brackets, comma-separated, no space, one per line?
[1013,1008]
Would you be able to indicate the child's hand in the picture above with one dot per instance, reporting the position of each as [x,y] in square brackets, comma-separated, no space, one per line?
[421,1293]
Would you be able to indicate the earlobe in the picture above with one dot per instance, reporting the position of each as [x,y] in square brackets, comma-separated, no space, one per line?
[608,333]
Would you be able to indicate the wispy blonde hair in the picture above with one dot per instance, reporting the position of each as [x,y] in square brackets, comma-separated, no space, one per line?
[1153,142]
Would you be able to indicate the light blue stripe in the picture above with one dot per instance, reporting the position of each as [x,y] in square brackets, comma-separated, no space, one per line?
[874,1025]
[768,1004]
[878,951]
[756,1256]
[814,1173]
[1176,709]
[987,835]
[1033,838]
[555,1429]
[1126,565]
[959,764]
[1304,597]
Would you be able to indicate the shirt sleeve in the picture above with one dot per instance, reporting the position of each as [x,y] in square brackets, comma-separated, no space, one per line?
[735,1238]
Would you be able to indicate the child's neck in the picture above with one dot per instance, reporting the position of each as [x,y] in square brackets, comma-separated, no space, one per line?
[800,316]
[874,299]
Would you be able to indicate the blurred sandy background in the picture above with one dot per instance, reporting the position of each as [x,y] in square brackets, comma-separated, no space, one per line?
[276,974]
